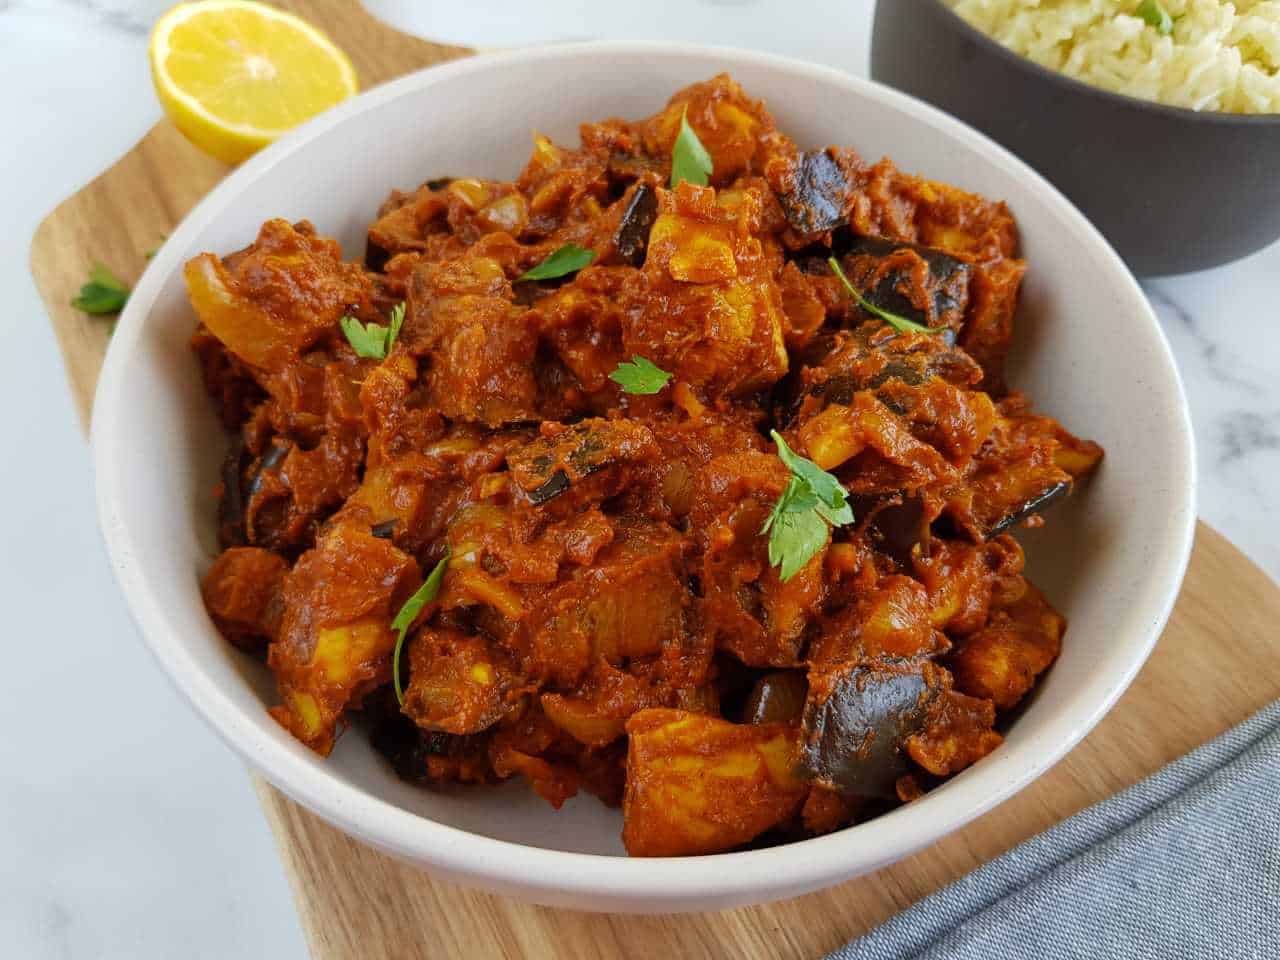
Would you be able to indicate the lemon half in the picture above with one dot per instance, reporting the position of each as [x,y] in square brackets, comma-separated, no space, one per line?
[233,75]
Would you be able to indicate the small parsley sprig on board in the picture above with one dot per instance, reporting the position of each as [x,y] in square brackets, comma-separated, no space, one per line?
[103,293]
[812,501]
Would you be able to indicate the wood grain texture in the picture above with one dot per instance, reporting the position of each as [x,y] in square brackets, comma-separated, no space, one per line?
[357,903]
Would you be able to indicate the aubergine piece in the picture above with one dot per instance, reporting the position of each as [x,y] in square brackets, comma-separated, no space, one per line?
[898,276]
[409,749]
[894,523]
[935,357]
[231,531]
[259,522]
[846,358]
[269,461]
[375,256]
[238,490]
[626,167]
[385,530]
[556,485]
[856,719]
[777,697]
[1016,475]
[821,194]
[632,236]
[550,465]
[947,287]
[1035,503]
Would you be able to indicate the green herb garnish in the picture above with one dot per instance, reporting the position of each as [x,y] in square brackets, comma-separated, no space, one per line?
[397,321]
[797,525]
[1156,15]
[373,341]
[429,590]
[901,324]
[689,158]
[640,376]
[568,259]
[104,293]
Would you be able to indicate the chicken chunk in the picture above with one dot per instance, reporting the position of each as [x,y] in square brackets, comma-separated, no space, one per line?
[696,784]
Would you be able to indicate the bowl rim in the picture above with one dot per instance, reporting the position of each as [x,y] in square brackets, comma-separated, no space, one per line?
[602,881]
[993,46]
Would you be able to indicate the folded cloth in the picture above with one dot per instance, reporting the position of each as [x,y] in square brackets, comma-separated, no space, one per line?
[1184,864]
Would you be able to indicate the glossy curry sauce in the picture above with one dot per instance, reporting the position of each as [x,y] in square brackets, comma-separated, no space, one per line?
[609,619]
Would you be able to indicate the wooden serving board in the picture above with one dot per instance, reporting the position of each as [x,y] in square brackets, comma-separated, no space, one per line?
[1215,664]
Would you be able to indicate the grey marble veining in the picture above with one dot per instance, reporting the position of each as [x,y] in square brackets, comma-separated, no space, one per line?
[126,828]
[1222,366]
[132,17]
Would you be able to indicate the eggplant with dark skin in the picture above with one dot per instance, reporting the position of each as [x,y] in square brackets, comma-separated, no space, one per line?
[632,236]
[237,495]
[921,284]
[385,530]
[1029,464]
[849,364]
[777,697]
[231,531]
[1033,505]
[856,719]
[375,257]
[551,464]
[268,463]
[895,524]
[820,194]
[408,749]
[945,291]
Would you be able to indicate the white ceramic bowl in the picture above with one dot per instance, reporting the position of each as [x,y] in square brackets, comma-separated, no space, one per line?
[1090,352]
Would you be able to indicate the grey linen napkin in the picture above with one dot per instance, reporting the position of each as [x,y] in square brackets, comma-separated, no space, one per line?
[1184,864]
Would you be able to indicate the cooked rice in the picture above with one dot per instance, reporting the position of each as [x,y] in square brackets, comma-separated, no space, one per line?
[1220,56]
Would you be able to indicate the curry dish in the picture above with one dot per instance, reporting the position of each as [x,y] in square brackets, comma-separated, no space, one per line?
[680,470]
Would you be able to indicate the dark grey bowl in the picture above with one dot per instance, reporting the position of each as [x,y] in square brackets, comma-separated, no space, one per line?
[1173,190]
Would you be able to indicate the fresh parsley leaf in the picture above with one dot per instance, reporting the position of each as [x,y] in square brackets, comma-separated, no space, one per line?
[397,321]
[797,526]
[640,376]
[104,293]
[797,535]
[826,488]
[796,498]
[1156,15]
[429,590]
[901,324]
[568,259]
[367,340]
[689,158]
[373,341]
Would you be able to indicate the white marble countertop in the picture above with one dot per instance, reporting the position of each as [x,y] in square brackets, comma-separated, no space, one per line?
[126,828]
